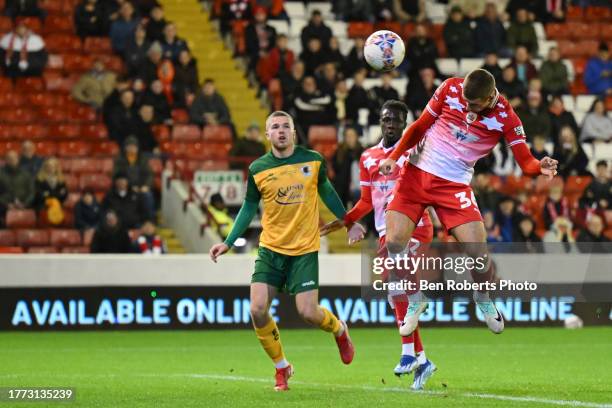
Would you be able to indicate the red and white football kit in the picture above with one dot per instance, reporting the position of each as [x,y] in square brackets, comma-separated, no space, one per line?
[451,140]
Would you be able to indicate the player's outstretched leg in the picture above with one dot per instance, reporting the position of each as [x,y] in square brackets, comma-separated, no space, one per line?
[426,367]
[408,361]
[309,309]
[268,333]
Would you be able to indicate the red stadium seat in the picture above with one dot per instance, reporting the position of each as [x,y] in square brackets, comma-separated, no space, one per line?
[180,116]
[33,23]
[597,13]
[609,103]
[111,62]
[58,82]
[198,151]
[605,32]
[436,31]
[83,165]
[359,29]
[11,250]
[75,250]
[42,250]
[55,114]
[238,31]
[156,165]
[322,134]
[95,131]
[72,199]
[72,182]
[583,31]
[161,133]
[57,24]
[394,26]
[62,43]
[576,184]
[55,63]
[30,84]
[32,237]
[543,184]
[64,131]
[579,66]
[6,84]
[578,87]
[46,148]
[6,24]
[19,115]
[65,237]
[97,182]
[31,132]
[77,62]
[174,149]
[12,100]
[217,133]
[557,31]
[46,99]
[104,149]
[7,237]
[73,149]
[574,13]
[7,146]
[276,93]
[186,133]
[20,219]
[326,149]
[98,45]
[81,113]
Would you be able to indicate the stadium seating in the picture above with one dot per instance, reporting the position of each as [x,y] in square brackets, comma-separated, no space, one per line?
[20,219]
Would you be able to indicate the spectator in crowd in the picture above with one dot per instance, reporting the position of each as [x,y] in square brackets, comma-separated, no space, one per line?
[409,10]
[503,164]
[186,80]
[490,34]
[335,55]
[50,190]
[29,160]
[491,64]
[381,94]
[521,32]
[552,11]
[511,87]
[345,163]
[598,72]
[535,84]
[218,210]
[209,107]
[526,233]
[22,52]
[327,78]
[531,7]
[155,97]
[358,98]
[233,10]
[553,74]
[122,29]
[534,116]
[355,60]
[312,107]
[592,239]
[313,56]
[556,204]
[87,211]
[149,242]
[155,25]
[89,19]
[486,196]
[247,148]
[16,185]
[126,202]
[538,147]
[421,52]
[598,194]
[419,92]
[24,8]
[136,51]
[138,172]
[572,159]
[260,38]
[122,119]
[171,44]
[144,132]
[279,62]
[560,232]
[492,229]
[458,35]
[316,28]
[148,70]
[341,93]
[122,84]
[506,217]
[525,70]
[94,86]
[292,83]
[597,126]
[559,117]
[139,87]
[110,236]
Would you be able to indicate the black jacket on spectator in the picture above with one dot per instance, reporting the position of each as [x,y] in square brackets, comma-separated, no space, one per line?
[44,190]
[489,36]
[130,208]
[185,81]
[209,104]
[596,192]
[354,62]
[108,240]
[459,39]
[31,165]
[160,104]
[253,45]
[558,122]
[342,163]
[135,55]
[589,243]
[514,89]
[244,148]
[138,173]
[155,29]
[87,216]
[16,184]
[322,32]
[145,136]
[23,8]
[571,163]
[313,60]
[495,70]
[121,123]
[172,50]
[381,95]
[358,98]
[417,97]
[90,21]
[147,71]
[314,109]
[422,53]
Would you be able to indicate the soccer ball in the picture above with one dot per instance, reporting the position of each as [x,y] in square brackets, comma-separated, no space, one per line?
[573,322]
[384,50]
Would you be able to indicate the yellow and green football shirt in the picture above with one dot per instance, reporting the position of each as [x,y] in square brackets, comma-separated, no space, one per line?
[290,189]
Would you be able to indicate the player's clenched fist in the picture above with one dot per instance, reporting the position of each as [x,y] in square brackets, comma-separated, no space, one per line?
[387,166]
[356,233]
[217,250]
[548,167]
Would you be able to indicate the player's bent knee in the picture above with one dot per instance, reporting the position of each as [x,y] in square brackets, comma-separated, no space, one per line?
[259,311]
[309,313]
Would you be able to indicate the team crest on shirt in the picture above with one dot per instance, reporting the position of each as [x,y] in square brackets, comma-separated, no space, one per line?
[306,170]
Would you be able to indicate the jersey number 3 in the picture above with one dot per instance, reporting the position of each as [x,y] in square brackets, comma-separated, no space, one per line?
[465,201]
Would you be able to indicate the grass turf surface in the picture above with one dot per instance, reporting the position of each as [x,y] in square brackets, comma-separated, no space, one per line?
[533,367]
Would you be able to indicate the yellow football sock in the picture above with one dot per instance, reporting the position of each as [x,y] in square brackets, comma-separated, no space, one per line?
[269,337]
[330,323]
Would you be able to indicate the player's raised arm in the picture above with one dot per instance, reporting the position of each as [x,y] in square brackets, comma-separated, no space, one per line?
[244,218]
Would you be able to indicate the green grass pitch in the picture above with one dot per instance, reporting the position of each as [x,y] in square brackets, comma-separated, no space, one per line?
[522,367]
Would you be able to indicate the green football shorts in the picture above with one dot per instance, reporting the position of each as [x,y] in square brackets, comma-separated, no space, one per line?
[287,273]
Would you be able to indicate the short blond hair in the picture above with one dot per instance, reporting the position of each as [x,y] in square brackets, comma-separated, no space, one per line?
[277,114]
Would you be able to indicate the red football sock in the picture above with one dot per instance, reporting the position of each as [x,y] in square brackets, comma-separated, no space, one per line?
[401,306]
[418,346]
